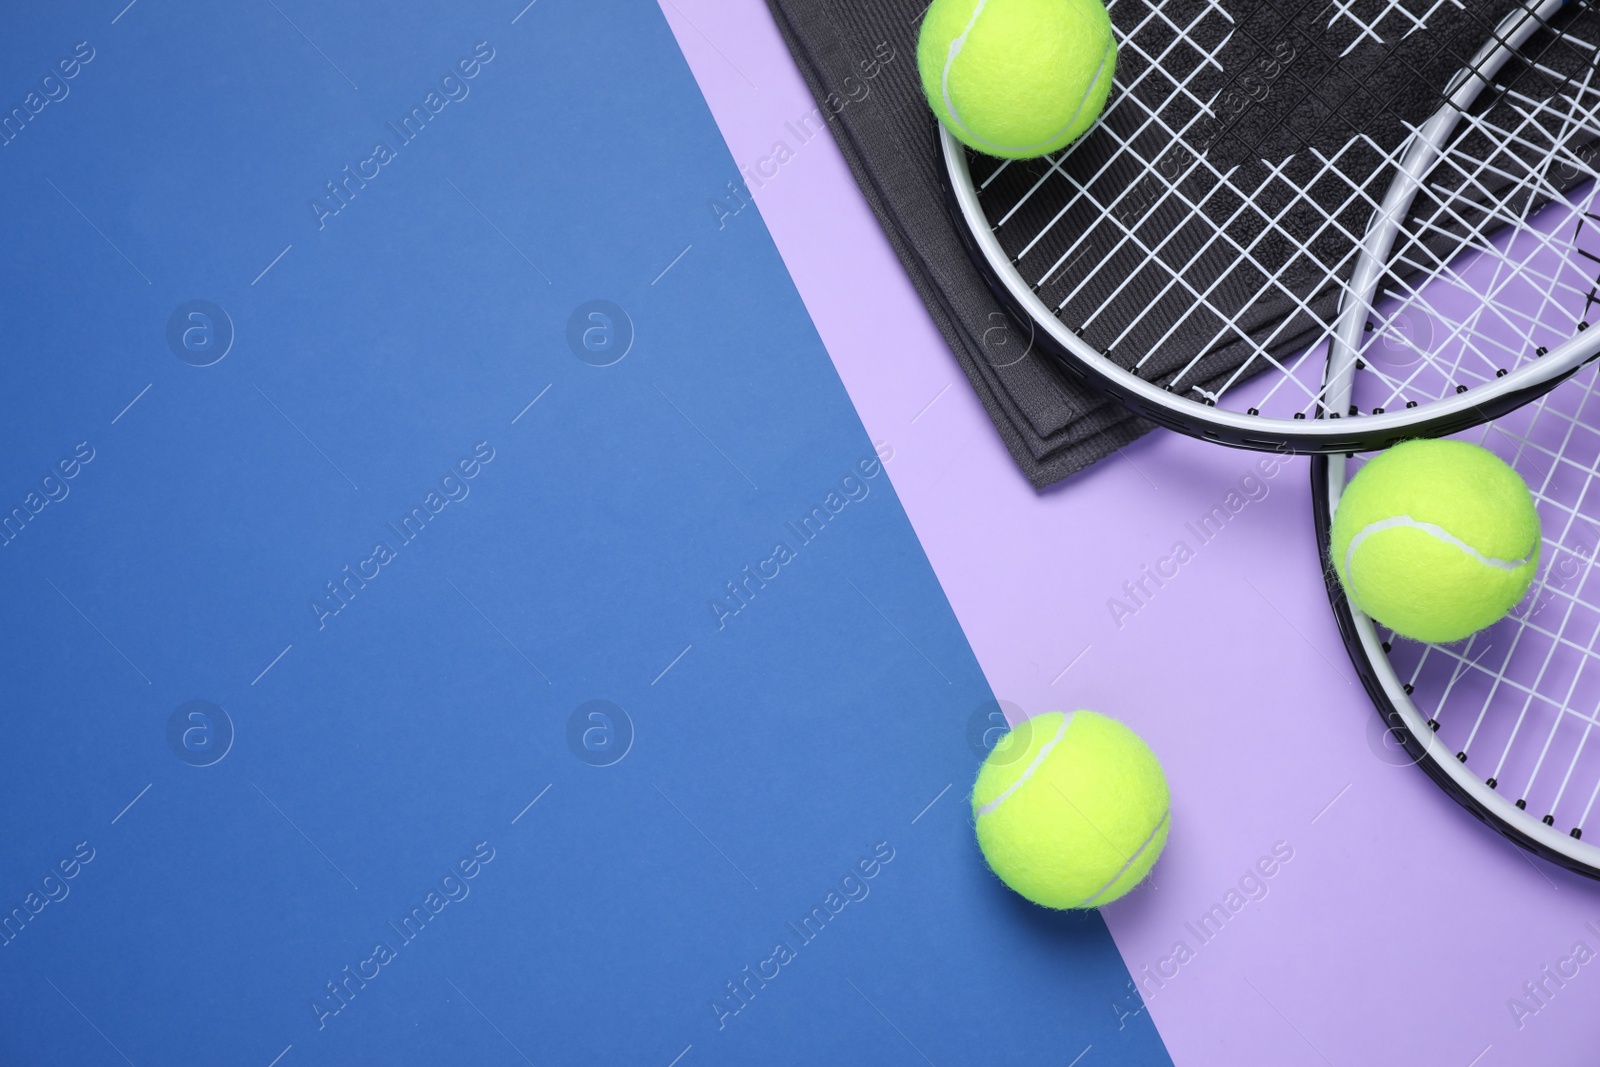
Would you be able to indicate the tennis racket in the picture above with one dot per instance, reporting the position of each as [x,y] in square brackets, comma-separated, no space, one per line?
[1251,244]
[1508,721]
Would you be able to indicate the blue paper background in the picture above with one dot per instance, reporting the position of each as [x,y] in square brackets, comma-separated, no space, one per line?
[376,750]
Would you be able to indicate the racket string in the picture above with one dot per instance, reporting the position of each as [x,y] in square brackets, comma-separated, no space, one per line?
[1495,215]
[1510,196]
[1204,275]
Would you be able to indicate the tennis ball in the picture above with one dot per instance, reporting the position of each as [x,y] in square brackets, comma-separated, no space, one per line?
[1017,78]
[1071,809]
[1436,539]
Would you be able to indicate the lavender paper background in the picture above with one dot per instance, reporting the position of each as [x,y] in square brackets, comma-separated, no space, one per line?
[1401,929]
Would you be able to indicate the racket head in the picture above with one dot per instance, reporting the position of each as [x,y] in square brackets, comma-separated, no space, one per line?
[1215,322]
[1507,722]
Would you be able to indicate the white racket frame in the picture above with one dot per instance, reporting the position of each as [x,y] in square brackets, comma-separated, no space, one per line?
[1388,692]
[1325,436]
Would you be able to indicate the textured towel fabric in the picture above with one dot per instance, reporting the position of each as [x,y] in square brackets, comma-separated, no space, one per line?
[887,134]
[1357,72]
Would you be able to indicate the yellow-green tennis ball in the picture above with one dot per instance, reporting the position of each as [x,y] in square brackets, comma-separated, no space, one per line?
[1017,78]
[1071,809]
[1436,539]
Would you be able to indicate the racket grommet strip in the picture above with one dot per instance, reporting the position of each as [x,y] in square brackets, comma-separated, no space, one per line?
[1522,805]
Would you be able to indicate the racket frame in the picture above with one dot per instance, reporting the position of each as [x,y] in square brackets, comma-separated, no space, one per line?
[1342,431]
[1406,722]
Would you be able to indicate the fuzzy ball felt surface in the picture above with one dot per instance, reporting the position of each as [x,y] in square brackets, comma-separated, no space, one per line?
[1017,78]
[1071,809]
[1436,539]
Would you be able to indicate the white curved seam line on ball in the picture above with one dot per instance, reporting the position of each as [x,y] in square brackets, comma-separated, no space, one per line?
[1038,759]
[950,61]
[1082,101]
[1097,894]
[1437,532]
[950,105]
